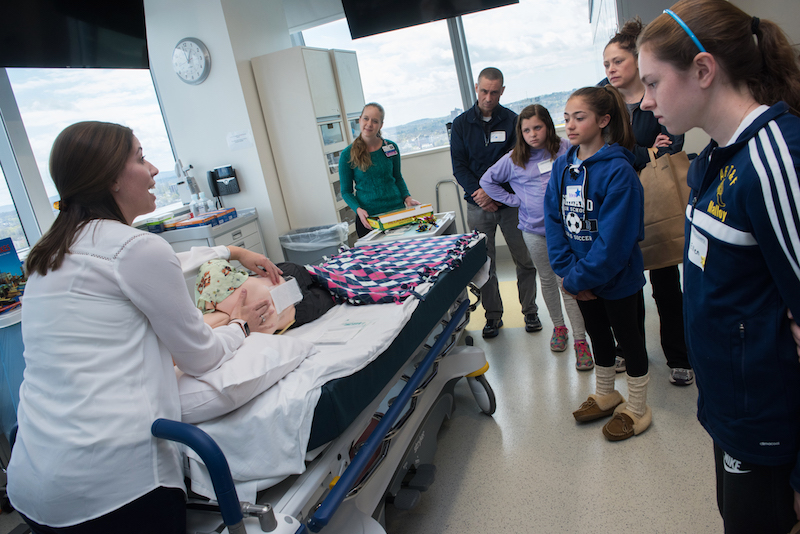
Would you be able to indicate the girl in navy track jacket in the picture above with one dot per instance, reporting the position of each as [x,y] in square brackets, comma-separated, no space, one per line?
[707,64]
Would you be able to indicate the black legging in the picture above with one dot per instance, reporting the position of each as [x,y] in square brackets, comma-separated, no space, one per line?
[600,315]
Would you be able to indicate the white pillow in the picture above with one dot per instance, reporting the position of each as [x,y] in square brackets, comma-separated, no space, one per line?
[260,362]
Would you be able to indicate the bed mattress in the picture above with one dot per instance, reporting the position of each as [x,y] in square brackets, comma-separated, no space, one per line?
[343,399]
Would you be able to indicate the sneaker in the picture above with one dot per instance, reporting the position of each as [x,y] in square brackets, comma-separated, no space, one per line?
[532,322]
[492,328]
[583,356]
[558,342]
[681,377]
[619,364]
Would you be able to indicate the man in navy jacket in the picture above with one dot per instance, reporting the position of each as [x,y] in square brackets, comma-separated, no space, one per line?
[478,138]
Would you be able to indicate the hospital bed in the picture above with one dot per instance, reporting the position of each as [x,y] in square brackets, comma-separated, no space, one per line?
[373,434]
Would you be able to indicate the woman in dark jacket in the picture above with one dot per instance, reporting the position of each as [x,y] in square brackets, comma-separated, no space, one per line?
[620,62]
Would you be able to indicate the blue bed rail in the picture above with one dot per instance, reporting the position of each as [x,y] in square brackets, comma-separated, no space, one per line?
[215,461]
[334,499]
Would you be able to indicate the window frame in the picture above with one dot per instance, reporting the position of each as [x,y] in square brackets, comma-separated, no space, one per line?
[20,169]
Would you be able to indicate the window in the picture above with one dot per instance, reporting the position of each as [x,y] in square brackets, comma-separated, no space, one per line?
[543,47]
[10,225]
[409,72]
[51,99]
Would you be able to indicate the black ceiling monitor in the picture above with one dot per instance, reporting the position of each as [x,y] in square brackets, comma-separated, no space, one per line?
[73,33]
[368,17]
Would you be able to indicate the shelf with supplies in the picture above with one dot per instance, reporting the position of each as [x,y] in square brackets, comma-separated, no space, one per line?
[243,231]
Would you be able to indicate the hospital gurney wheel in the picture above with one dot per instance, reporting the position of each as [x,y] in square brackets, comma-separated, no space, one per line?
[484,395]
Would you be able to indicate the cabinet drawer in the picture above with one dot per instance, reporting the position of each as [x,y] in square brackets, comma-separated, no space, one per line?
[237,235]
[250,242]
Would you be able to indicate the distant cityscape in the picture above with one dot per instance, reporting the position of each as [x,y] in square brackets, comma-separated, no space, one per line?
[431,133]
[411,137]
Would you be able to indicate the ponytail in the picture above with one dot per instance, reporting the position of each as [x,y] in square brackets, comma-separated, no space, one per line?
[750,51]
[607,100]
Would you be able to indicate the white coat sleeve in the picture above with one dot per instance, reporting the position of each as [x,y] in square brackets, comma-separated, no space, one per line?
[149,274]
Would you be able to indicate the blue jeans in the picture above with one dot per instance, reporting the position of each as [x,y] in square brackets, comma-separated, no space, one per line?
[507,219]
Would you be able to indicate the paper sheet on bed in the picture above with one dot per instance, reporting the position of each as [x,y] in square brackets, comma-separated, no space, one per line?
[265,440]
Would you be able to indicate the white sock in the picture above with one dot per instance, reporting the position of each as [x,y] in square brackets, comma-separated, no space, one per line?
[604,380]
[637,394]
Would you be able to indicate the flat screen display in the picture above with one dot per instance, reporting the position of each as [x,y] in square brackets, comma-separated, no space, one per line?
[368,17]
[73,33]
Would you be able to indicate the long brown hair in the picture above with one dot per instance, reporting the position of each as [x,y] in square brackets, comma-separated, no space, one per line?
[607,100]
[359,152]
[522,150]
[768,64]
[86,159]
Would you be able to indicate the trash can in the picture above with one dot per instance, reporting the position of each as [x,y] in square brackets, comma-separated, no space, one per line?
[308,246]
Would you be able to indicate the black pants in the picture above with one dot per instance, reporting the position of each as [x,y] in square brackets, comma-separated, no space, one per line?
[667,293]
[316,299]
[362,230]
[600,316]
[162,511]
[753,498]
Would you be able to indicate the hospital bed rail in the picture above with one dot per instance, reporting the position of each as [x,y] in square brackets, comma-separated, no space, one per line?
[323,514]
[230,508]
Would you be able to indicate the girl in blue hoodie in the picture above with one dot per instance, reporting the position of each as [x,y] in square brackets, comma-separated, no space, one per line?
[594,221]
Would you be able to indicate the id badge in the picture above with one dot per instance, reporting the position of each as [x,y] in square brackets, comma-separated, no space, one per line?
[286,294]
[497,137]
[545,166]
[389,150]
[698,249]
[574,195]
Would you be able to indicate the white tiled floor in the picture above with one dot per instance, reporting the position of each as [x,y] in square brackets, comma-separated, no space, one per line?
[531,468]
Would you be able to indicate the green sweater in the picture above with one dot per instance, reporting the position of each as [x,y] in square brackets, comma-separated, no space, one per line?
[378,190]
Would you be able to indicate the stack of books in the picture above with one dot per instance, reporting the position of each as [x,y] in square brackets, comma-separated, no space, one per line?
[393,219]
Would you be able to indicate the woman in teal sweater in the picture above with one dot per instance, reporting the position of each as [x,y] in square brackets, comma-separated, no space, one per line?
[372,165]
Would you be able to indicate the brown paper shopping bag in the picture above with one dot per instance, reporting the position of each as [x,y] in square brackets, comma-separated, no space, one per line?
[666,194]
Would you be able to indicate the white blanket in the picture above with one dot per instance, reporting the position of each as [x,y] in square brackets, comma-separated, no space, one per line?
[265,440]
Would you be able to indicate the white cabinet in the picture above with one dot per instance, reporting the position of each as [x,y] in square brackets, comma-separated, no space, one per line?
[243,231]
[307,95]
[348,77]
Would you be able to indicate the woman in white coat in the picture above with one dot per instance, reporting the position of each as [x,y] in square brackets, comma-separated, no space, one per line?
[106,313]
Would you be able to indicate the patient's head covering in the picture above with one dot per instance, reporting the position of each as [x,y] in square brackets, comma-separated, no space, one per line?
[216,280]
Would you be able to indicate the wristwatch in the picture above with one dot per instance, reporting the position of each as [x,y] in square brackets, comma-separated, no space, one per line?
[243,324]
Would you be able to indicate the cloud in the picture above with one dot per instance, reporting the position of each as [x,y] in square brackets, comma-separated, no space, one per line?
[542,46]
[49,100]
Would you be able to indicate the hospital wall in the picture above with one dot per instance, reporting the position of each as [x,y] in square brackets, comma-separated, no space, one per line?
[202,118]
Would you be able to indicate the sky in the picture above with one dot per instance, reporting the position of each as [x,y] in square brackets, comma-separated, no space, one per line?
[51,99]
[542,46]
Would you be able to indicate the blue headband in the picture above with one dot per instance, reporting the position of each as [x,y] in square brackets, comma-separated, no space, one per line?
[685,28]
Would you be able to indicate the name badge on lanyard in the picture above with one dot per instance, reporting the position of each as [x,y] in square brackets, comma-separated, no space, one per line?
[497,137]
[389,150]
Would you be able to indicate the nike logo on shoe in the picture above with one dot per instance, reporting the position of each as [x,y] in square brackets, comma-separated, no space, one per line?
[732,465]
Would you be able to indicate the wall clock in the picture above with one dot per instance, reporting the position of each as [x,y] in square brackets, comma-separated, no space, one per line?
[191,61]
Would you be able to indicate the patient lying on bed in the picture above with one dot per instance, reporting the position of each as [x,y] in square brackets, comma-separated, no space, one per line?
[219,284]
[262,360]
